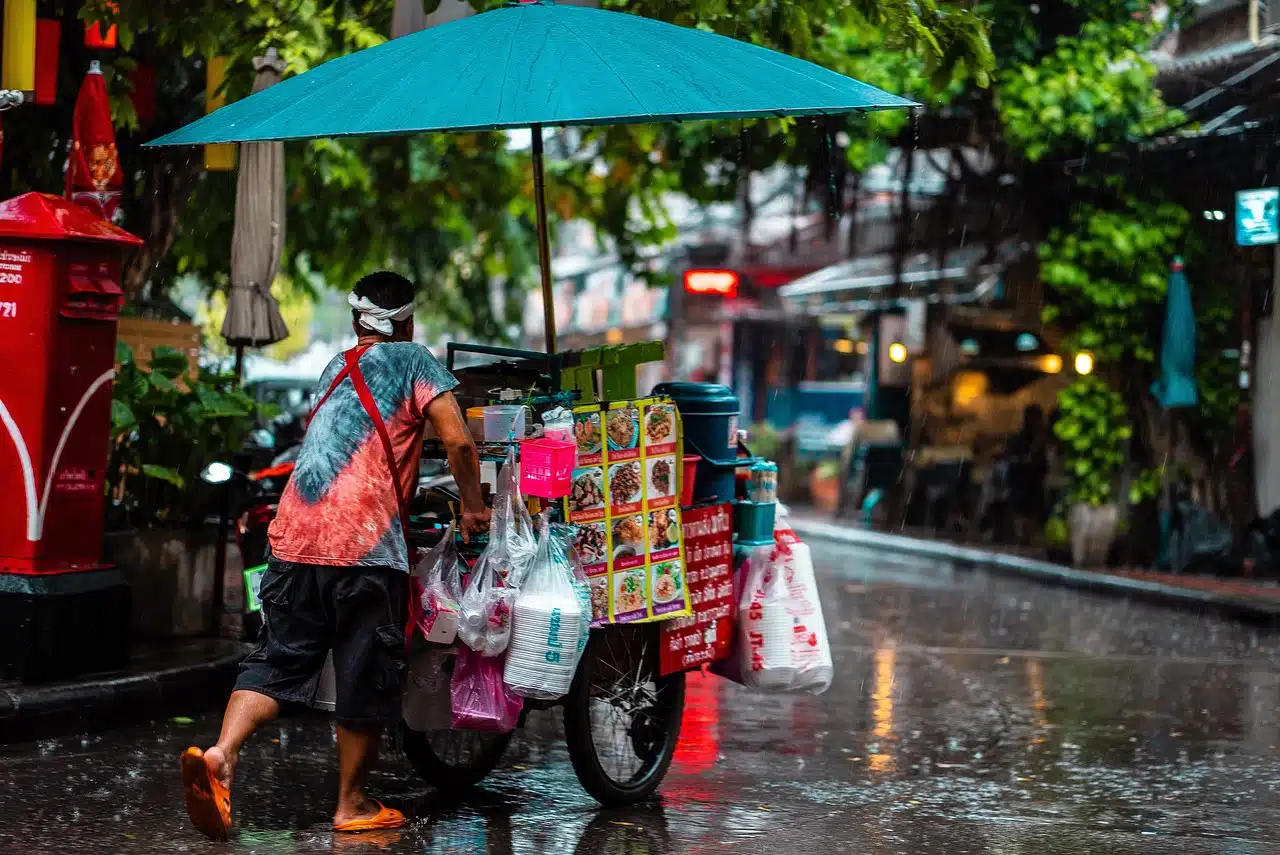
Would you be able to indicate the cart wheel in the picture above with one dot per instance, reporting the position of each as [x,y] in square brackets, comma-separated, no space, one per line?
[450,759]
[622,720]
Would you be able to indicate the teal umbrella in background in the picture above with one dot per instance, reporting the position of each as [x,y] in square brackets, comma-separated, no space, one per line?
[531,64]
[1176,386]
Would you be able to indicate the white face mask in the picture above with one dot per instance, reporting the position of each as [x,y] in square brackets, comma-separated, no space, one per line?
[375,317]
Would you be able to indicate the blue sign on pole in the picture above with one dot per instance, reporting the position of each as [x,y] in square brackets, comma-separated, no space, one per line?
[1258,216]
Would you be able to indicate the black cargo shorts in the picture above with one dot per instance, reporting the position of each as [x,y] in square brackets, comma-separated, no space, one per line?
[357,612]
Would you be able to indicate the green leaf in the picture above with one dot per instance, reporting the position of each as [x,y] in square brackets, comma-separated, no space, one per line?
[122,417]
[163,473]
[169,362]
[124,353]
[162,383]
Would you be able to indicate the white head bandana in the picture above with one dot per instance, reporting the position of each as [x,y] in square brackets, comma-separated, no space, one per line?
[375,317]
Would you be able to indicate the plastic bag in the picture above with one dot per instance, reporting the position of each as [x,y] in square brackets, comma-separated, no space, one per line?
[764,624]
[433,607]
[547,627]
[810,647]
[481,701]
[512,524]
[562,537]
[484,620]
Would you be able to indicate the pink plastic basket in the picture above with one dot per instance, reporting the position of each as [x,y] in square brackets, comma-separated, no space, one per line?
[546,467]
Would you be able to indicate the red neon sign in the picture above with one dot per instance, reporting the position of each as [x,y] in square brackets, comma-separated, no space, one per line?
[717,283]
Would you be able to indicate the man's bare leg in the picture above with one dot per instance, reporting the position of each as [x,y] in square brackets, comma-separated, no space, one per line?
[357,752]
[246,712]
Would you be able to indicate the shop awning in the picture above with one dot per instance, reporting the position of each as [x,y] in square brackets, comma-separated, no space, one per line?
[871,284]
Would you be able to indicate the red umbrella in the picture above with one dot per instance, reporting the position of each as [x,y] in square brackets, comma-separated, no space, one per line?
[93,173]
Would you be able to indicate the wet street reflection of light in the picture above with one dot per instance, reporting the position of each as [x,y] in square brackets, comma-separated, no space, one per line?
[1151,731]
[1039,705]
[881,760]
[700,732]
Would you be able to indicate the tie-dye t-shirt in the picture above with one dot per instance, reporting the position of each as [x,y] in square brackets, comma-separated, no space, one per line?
[340,506]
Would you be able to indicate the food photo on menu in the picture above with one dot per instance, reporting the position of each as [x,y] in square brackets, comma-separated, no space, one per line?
[628,537]
[659,424]
[629,597]
[624,483]
[586,430]
[591,543]
[599,599]
[587,492]
[623,428]
[664,530]
[662,477]
[668,582]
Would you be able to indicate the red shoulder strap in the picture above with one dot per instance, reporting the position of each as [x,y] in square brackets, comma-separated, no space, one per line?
[342,375]
[371,407]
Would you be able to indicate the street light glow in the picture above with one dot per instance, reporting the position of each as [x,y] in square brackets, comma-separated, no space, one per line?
[1051,363]
[1084,362]
[898,353]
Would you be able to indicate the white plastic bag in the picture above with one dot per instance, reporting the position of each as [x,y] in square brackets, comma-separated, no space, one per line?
[562,538]
[547,629]
[512,524]
[484,621]
[434,608]
[765,624]
[810,647]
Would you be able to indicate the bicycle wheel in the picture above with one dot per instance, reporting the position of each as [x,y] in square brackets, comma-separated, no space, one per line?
[621,719]
[449,759]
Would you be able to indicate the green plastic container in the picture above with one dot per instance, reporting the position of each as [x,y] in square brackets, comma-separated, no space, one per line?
[709,413]
[753,522]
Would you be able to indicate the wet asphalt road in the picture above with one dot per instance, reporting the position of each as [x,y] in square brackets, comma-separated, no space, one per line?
[970,714]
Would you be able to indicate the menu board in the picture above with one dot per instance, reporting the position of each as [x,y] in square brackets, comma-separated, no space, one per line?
[706,635]
[624,502]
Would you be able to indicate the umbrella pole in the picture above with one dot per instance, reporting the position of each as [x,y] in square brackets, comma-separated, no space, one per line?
[544,242]
[239,369]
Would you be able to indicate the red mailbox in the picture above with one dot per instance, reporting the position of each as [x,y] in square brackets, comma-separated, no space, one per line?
[60,298]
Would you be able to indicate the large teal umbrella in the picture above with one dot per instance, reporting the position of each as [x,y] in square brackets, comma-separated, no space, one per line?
[531,64]
[1176,386]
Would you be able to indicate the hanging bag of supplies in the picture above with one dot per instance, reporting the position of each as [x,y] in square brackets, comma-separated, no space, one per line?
[480,699]
[432,609]
[547,628]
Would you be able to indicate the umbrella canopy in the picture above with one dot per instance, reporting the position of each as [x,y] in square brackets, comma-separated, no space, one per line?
[536,64]
[93,169]
[1176,386]
[257,242]
[531,64]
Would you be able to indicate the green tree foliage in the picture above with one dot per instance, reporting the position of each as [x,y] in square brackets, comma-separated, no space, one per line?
[1093,90]
[1092,431]
[1108,268]
[450,210]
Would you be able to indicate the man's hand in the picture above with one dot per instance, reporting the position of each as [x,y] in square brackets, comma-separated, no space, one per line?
[474,522]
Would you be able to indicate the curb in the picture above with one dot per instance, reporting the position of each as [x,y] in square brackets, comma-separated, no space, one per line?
[115,700]
[1043,571]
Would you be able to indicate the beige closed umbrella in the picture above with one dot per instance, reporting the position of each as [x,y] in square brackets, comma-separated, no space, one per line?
[257,241]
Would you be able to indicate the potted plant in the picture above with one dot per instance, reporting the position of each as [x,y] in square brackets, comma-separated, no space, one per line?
[167,425]
[1092,429]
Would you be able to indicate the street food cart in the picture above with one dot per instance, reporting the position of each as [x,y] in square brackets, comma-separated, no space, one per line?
[659,569]
[445,79]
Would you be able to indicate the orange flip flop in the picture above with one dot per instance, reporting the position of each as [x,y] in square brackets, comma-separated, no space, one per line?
[208,801]
[386,818]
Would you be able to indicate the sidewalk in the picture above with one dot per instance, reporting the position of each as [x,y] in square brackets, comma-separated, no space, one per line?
[1237,597]
[163,678]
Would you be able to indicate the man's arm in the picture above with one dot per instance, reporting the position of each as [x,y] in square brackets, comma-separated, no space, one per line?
[464,461]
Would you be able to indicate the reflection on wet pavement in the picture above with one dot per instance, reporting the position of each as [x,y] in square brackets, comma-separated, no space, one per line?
[970,714]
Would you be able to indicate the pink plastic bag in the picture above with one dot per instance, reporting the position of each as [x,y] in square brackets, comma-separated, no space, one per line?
[481,701]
